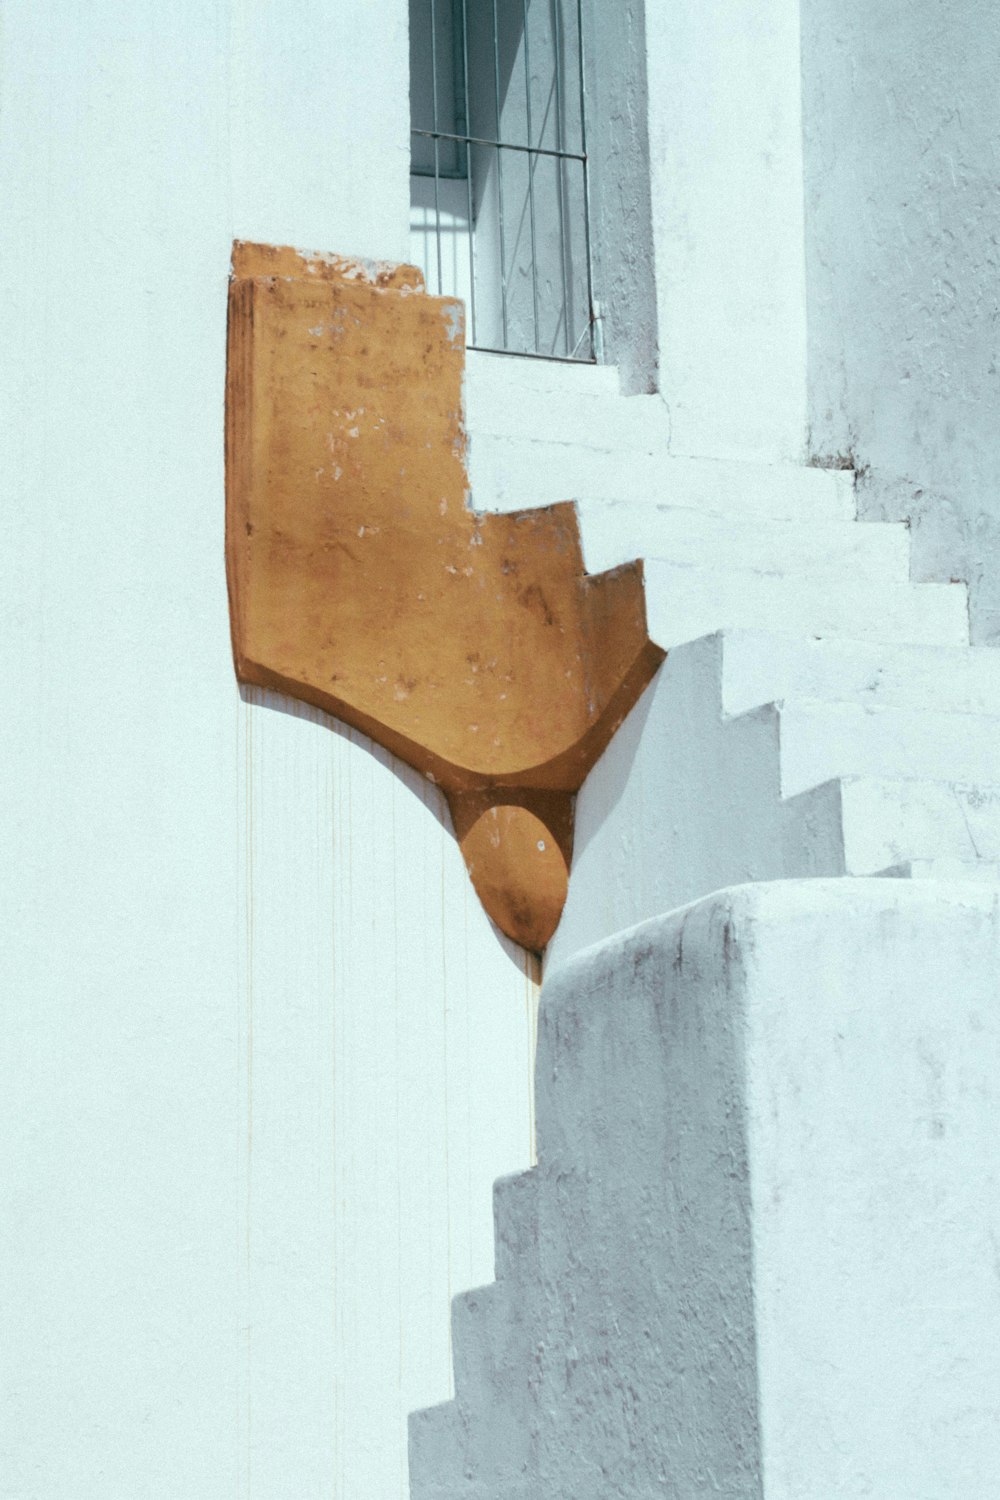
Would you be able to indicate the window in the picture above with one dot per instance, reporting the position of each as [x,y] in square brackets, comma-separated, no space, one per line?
[499,170]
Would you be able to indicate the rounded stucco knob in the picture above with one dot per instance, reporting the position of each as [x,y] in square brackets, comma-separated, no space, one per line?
[519,873]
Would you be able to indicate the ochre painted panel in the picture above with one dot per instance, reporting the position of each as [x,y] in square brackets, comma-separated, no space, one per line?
[473,646]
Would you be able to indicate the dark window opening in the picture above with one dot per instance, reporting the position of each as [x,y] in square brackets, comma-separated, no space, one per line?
[499,171]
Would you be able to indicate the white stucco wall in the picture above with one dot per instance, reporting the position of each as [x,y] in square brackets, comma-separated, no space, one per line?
[902,128]
[725,141]
[262,1054]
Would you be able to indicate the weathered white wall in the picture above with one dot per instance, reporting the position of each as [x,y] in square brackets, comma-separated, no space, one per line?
[758,1254]
[725,141]
[318,127]
[262,1054]
[902,127]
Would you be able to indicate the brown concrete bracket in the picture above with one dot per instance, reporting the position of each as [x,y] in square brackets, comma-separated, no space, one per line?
[475,647]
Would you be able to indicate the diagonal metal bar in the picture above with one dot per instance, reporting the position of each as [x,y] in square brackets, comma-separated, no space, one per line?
[481,140]
[557,37]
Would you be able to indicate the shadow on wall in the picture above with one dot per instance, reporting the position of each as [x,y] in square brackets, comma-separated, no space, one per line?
[711,1284]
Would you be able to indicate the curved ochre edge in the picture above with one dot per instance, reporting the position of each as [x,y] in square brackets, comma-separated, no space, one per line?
[472,646]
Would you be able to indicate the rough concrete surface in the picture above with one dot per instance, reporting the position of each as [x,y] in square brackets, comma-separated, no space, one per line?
[714,780]
[758,1254]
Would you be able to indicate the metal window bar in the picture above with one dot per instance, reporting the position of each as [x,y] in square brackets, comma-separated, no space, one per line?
[539,249]
[468,168]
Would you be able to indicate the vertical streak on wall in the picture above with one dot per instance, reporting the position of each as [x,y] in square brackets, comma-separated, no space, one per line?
[244,1067]
[387,1061]
[450,1270]
[532,996]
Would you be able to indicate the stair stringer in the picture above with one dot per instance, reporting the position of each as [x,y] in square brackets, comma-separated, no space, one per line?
[599,1323]
[690,799]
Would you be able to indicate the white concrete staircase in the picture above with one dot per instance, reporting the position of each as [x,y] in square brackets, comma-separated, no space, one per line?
[819,713]
[765,1167]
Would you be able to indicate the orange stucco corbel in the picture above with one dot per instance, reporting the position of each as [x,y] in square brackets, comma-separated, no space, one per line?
[475,647]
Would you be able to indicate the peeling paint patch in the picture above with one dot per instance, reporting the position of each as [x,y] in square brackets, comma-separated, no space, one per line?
[454,322]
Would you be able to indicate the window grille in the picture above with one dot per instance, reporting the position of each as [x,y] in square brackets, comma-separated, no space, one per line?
[500,191]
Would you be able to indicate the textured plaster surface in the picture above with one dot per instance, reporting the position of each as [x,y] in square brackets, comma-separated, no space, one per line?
[902,132]
[757,1255]
[262,1052]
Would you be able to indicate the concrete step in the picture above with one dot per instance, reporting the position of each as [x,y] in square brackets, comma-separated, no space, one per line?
[588,417]
[476,1317]
[903,824]
[684,603]
[831,1045]
[760,668]
[688,798]
[515,1222]
[495,382]
[437,1439]
[615,533]
[823,741]
[509,473]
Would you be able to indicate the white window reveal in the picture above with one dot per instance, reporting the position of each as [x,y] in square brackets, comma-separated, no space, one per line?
[500,191]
